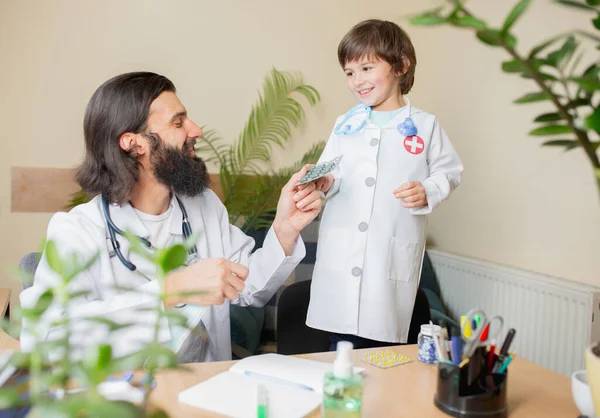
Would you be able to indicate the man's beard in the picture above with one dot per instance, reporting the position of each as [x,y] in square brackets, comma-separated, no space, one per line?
[182,172]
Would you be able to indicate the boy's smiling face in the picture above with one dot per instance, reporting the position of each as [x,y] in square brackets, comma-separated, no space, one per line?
[374,83]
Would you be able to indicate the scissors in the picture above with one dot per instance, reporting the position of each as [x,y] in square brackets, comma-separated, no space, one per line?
[476,329]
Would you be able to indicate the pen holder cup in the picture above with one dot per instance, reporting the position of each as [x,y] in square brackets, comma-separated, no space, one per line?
[470,391]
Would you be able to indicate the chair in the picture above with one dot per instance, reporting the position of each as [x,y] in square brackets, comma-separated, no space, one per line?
[27,267]
[293,335]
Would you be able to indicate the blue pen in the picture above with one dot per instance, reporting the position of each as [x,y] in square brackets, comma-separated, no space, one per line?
[505,364]
[456,345]
[277,380]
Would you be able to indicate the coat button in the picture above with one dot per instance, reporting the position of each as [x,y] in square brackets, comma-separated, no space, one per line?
[374,142]
[356,271]
[363,226]
[370,182]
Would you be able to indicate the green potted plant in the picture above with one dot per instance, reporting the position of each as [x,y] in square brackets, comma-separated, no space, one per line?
[552,65]
[56,366]
[250,192]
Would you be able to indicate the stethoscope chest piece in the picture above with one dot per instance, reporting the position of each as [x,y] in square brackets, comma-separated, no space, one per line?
[407,128]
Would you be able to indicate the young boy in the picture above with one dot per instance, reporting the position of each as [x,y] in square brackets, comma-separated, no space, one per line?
[398,165]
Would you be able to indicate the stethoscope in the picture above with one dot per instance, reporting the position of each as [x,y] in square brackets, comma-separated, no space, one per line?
[113,230]
[406,128]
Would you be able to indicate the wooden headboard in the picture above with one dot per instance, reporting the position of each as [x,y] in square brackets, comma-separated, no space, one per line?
[37,189]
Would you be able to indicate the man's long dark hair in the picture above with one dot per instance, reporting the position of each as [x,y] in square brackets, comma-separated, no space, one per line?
[120,105]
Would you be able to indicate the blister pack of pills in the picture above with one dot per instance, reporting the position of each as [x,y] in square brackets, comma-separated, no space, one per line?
[386,359]
[317,171]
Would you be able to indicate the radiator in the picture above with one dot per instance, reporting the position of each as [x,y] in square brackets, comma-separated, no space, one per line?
[555,319]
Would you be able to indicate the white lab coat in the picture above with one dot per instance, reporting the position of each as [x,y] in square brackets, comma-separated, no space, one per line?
[370,248]
[83,231]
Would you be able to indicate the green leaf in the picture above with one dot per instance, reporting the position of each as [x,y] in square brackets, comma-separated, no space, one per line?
[566,50]
[575,4]
[577,103]
[269,124]
[98,357]
[20,359]
[589,83]
[137,246]
[545,76]
[593,120]
[81,406]
[44,302]
[73,266]
[53,258]
[430,18]
[159,414]
[112,325]
[551,130]
[593,2]
[10,398]
[533,97]
[468,22]
[489,37]
[173,258]
[78,198]
[130,362]
[159,357]
[496,38]
[513,66]
[569,144]
[514,14]
[210,148]
[548,117]
[536,50]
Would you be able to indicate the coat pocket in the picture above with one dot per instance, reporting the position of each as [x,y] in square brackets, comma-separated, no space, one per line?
[333,248]
[404,260]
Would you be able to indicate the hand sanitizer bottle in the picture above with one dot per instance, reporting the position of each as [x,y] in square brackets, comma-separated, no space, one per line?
[342,388]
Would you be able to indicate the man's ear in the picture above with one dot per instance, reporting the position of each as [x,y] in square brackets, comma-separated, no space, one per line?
[132,144]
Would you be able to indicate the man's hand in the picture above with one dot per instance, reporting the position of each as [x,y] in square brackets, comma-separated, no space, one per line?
[207,282]
[412,194]
[298,205]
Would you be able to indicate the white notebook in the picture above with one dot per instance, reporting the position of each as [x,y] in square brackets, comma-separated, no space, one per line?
[294,387]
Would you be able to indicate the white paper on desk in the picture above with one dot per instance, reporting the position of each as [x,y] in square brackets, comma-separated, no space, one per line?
[292,369]
[233,393]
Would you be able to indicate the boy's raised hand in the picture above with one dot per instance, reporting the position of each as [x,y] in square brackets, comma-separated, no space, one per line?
[412,194]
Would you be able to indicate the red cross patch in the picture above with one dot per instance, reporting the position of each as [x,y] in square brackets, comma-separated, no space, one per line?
[414,144]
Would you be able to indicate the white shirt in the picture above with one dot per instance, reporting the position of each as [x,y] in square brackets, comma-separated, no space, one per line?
[83,231]
[159,236]
[370,248]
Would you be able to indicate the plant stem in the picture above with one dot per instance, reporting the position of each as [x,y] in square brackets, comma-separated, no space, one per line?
[582,136]
[150,377]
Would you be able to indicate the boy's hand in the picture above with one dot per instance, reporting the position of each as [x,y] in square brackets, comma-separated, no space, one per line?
[412,194]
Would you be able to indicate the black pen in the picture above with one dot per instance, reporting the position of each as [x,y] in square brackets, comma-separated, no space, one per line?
[504,350]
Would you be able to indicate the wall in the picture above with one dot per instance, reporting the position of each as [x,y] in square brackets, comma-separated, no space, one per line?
[519,204]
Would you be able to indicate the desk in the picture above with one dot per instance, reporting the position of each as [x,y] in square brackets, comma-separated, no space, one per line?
[4,302]
[402,391]
[6,341]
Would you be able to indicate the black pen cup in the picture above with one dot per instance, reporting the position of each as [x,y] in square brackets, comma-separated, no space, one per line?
[470,391]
